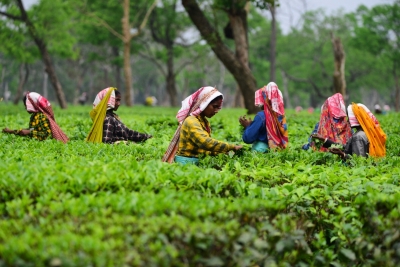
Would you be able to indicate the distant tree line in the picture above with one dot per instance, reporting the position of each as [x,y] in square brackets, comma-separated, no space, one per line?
[169,48]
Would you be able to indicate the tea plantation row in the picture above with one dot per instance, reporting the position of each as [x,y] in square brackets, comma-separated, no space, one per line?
[84,204]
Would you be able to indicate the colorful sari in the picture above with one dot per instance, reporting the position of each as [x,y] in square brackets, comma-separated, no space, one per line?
[333,124]
[360,115]
[104,101]
[271,98]
[192,105]
[37,103]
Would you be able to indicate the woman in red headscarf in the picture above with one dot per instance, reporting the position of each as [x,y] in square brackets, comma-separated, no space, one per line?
[333,123]
[42,124]
[269,128]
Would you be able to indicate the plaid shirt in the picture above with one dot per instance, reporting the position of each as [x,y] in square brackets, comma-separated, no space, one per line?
[114,130]
[194,139]
[39,126]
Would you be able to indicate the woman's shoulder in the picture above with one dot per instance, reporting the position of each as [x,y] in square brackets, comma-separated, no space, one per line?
[191,119]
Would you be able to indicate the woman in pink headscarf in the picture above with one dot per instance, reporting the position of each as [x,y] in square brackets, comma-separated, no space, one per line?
[42,124]
[193,136]
[269,128]
[332,124]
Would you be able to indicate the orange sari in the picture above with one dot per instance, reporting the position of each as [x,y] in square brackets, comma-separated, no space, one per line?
[375,134]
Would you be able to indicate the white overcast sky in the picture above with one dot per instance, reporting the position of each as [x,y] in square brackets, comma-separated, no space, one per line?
[290,10]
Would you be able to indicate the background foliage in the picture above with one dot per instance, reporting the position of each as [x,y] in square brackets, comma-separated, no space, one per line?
[88,57]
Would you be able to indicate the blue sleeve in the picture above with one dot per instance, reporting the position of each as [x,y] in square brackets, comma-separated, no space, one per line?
[251,133]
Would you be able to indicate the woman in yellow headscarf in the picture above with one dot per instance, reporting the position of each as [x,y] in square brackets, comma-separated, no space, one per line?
[107,127]
[369,138]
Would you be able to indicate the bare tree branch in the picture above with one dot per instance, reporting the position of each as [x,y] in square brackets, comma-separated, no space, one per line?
[13,17]
[146,17]
[307,80]
[107,26]
[155,62]
[180,68]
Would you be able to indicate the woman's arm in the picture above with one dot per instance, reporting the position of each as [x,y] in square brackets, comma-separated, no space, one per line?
[251,133]
[200,137]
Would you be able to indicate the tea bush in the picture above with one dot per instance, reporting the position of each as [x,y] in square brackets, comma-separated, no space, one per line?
[84,204]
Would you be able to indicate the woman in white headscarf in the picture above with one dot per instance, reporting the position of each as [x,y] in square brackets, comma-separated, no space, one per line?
[193,136]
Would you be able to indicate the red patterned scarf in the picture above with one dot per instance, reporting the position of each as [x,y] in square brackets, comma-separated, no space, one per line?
[333,123]
[271,98]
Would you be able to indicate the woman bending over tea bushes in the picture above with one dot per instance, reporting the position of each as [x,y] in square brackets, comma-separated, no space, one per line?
[368,139]
[193,136]
[333,123]
[42,124]
[269,128]
[107,127]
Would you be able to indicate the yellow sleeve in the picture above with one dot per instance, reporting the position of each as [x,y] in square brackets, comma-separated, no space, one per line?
[202,138]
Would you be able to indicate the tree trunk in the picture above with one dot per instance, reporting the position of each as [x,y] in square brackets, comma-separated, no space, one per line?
[22,80]
[221,76]
[285,80]
[78,88]
[117,69]
[397,86]
[272,44]
[127,55]
[45,56]
[45,78]
[339,81]
[91,87]
[171,84]
[238,101]
[239,30]
[240,72]
[3,73]
[6,93]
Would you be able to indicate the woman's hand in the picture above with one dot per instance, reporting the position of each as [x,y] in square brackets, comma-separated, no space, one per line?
[337,151]
[238,148]
[317,136]
[6,130]
[245,122]
[23,132]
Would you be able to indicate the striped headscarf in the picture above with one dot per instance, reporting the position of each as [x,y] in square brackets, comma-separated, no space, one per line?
[273,94]
[102,94]
[37,103]
[201,97]
[192,105]
[271,98]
